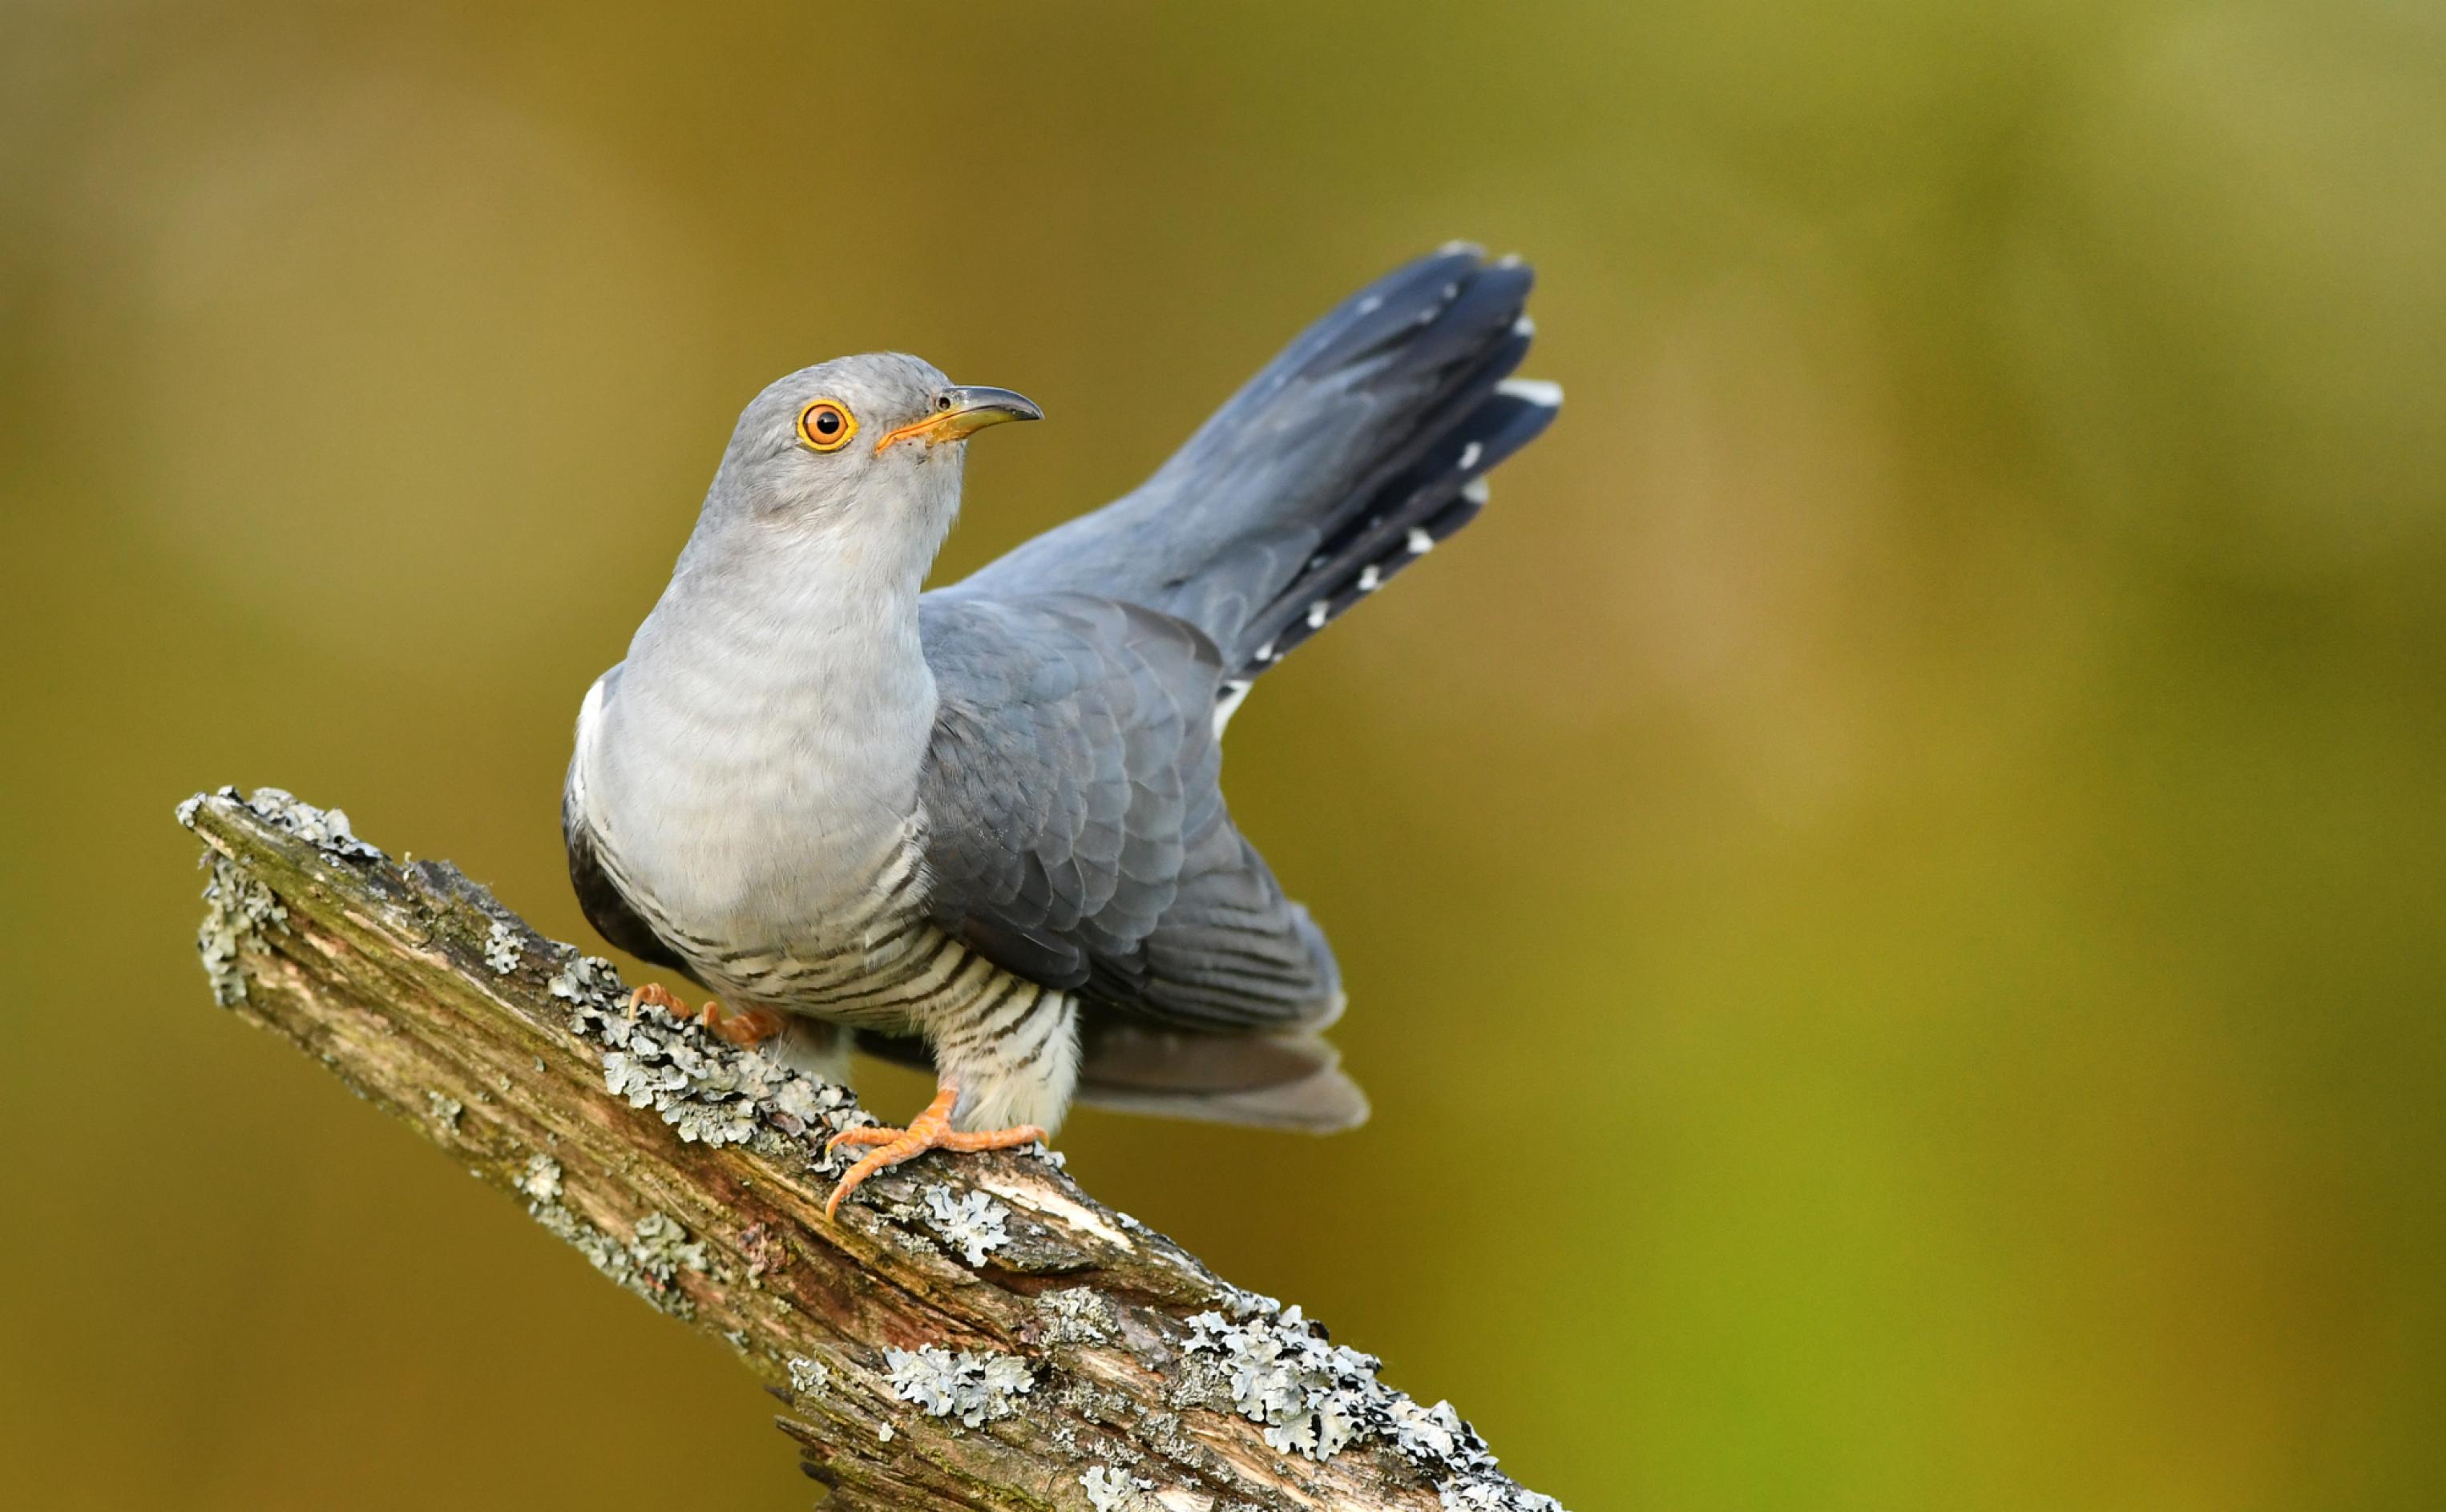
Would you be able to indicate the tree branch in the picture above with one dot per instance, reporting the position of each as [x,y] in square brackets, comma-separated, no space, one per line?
[974,1332]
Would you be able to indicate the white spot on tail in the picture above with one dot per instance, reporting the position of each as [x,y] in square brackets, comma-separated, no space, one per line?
[1475,491]
[1507,260]
[1228,703]
[1371,304]
[1316,613]
[1524,326]
[1469,455]
[1535,390]
[1370,579]
[1451,247]
[1266,652]
[1452,290]
[1420,543]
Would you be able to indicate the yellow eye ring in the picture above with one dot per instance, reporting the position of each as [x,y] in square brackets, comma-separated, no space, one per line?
[826,425]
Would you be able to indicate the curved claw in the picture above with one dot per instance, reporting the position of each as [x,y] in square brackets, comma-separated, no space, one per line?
[930,1130]
[748,1027]
[878,1135]
[654,994]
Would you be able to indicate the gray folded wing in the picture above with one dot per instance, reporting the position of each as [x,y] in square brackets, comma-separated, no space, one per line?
[1078,834]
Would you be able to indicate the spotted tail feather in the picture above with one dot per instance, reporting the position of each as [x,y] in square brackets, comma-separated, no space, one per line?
[1424,504]
[1375,424]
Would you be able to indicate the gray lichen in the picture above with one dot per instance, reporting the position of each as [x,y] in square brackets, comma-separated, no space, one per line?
[975,1386]
[239,908]
[649,1264]
[662,1247]
[325,827]
[971,1225]
[1313,1397]
[584,979]
[1165,1433]
[1094,1402]
[1112,1490]
[709,1091]
[1076,1315]
[1430,1435]
[446,1110]
[1108,1409]
[540,1181]
[1492,1493]
[503,948]
[809,1377]
[1467,1477]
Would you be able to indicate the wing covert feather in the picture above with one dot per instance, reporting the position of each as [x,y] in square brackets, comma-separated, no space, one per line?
[1076,826]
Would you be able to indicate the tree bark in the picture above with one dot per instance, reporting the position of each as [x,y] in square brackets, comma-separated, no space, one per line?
[974,1332]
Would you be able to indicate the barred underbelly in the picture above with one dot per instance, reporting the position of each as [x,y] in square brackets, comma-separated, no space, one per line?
[1009,1044]
[879,963]
[912,978]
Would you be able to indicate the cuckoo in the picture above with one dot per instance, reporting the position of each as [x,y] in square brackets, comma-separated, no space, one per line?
[981,828]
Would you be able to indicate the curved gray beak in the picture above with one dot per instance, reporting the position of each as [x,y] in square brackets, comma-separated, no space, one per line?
[960,413]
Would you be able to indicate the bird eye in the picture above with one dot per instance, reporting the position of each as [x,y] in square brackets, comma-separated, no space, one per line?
[826,425]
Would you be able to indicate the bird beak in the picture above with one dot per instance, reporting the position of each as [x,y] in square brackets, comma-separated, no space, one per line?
[959,413]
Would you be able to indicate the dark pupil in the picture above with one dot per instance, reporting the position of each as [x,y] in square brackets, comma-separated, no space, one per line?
[827,421]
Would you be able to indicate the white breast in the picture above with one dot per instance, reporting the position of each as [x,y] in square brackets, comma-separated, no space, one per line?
[752,766]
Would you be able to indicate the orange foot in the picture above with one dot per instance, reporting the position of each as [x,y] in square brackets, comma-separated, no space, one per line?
[752,1026]
[930,1130]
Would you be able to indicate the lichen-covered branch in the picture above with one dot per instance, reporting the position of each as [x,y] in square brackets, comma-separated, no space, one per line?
[975,1334]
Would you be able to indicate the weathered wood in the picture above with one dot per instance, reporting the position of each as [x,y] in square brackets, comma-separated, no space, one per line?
[973,1332]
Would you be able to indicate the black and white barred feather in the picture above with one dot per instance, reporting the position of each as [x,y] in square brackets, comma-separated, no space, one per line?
[1424,505]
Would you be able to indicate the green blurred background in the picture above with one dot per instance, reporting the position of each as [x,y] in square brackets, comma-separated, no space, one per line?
[1891,887]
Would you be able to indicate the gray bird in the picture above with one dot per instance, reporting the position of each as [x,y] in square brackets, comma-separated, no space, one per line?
[982,828]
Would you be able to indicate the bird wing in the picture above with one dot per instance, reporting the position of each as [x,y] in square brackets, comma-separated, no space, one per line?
[1077,832]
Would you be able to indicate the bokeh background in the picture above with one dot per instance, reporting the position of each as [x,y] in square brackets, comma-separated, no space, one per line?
[1894,887]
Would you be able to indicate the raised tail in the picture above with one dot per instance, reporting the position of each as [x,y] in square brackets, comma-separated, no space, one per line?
[1366,443]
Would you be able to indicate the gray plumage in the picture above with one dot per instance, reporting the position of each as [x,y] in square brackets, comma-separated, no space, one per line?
[983,826]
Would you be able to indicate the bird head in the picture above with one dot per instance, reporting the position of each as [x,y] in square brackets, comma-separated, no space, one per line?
[858,449]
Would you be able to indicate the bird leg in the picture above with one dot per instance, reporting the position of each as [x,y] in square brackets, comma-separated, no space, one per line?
[930,1130]
[745,1028]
